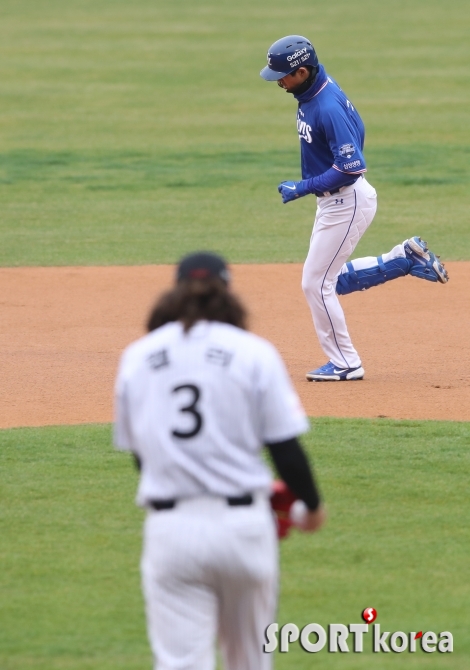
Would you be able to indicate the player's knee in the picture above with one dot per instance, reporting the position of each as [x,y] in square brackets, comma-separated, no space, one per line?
[311,293]
[311,284]
[305,285]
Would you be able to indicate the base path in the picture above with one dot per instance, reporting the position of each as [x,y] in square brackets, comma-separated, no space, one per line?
[63,330]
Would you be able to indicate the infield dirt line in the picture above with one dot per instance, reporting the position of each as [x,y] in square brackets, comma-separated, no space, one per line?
[63,330]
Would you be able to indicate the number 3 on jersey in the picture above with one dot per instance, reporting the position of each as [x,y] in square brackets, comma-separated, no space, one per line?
[190,408]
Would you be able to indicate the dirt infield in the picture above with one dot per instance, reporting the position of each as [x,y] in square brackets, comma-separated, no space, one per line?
[64,328]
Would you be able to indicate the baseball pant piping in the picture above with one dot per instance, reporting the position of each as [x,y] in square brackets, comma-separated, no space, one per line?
[324,278]
[340,222]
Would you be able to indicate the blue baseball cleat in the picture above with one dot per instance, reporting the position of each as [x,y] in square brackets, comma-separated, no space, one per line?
[330,373]
[426,265]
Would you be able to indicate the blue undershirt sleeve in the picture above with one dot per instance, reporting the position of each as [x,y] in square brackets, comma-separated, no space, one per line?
[328,181]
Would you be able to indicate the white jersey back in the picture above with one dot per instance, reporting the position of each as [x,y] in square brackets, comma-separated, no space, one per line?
[197,408]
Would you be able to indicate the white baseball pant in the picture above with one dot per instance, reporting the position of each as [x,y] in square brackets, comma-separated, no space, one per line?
[340,222]
[210,571]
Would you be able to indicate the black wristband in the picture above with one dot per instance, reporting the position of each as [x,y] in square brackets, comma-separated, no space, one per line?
[293,468]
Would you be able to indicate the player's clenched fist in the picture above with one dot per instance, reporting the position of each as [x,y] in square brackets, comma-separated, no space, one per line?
[312,521]
[290,190]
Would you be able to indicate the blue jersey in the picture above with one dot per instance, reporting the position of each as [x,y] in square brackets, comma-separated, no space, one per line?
[330,129]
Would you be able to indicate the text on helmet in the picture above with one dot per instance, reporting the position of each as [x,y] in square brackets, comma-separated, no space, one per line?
[298,53]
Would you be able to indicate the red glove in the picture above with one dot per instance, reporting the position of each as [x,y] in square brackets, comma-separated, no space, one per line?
[282,500]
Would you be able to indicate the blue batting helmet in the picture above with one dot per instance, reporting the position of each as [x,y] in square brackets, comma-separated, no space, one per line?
[288,54]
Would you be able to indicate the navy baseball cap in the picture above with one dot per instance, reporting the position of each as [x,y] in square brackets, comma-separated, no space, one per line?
[202,265]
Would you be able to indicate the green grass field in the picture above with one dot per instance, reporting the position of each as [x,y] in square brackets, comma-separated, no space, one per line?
[397,539]
[133,132]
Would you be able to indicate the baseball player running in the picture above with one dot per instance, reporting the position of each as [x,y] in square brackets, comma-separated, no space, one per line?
[331,136]
[196,399]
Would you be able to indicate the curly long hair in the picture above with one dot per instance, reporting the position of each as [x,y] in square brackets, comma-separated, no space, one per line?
[197,300]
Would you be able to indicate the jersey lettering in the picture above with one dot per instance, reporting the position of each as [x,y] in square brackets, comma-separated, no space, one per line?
[159,359]
[190,409]
[352,164]
[218,357]
[304,131]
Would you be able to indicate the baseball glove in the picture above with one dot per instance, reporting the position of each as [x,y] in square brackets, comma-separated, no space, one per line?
[282,499]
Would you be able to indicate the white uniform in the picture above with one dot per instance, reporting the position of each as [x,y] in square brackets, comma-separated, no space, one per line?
[341,220]
[196,408]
